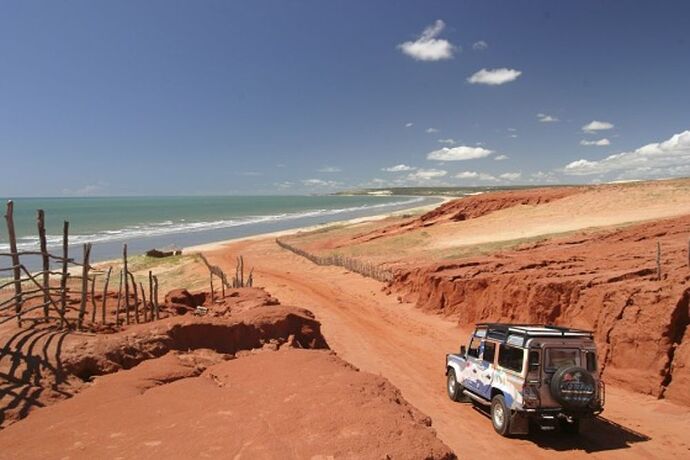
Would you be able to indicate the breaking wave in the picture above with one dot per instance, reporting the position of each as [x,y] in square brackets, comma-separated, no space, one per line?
[170,227]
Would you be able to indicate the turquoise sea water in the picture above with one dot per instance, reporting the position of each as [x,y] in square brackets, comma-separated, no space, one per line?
[147,222]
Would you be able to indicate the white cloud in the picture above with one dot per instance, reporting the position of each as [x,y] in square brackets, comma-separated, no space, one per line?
[511,175]
[88,190]
[284,185]
[427,47]
[329,169]
[426,174]
[467,175]
[431,130]
[512,130]
[487,177]
[513,136]
[459,153]
[594,126]
[501,157]
[671,157]
[447,141]
[494,76]
[544,118]
[480,45]
[399,168]
[599,143]
[320,183]
[409,125]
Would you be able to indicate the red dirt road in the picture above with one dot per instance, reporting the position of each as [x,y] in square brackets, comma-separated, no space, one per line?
[378,334]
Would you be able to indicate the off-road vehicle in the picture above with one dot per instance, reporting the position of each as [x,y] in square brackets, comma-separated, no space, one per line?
[526,372]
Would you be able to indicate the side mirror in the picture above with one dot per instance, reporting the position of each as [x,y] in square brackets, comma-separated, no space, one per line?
[463,350]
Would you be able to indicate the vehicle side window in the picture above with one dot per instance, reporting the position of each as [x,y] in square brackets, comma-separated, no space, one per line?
[473,349]
[489,352]
[511,358]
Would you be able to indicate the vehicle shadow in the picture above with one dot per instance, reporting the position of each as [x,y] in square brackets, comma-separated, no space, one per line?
[597,434]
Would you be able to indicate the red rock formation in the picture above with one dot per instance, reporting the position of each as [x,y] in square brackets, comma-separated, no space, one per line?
[605,281]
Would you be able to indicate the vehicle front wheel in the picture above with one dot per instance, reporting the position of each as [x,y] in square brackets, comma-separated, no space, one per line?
[570,427]
[500,415]
[453,387]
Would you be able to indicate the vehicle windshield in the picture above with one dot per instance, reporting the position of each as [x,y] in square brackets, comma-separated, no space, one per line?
[561,357]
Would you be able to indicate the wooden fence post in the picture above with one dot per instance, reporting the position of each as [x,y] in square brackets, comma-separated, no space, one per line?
[136,298]
[9,217]
[126,281]
[93,299]
[65,273]
[41,222]
[143,301]
[84,284]
[105,293]
[658,260]
[119,299]
[151,293]
[155,297]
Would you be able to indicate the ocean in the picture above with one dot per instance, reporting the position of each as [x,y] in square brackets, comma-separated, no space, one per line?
[162,222]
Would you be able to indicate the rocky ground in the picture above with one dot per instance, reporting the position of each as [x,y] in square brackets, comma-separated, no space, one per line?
[251,378]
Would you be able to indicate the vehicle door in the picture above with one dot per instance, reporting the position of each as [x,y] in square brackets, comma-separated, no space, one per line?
[485,368]
[470,372]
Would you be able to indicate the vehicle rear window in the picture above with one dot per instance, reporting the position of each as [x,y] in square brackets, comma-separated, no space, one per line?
[511,358]
[489,352]
[561,357]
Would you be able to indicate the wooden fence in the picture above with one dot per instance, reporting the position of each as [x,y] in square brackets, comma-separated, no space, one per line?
[237,282]
[54,290]
[355,265]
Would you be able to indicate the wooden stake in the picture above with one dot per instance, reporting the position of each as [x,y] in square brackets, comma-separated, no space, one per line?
[9,217]
[126,280]
[658,261]
[65,273]
[119,300]
[151,293]
[84,284]
[136,298]
[143,301]
[40,220]
[155,297]
[93,299]
[105,293]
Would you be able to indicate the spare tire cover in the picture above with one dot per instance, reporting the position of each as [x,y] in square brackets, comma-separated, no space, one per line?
[573,387]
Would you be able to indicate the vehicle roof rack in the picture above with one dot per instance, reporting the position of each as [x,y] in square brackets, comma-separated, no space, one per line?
[500,331]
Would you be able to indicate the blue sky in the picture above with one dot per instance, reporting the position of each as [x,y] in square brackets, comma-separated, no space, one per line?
[244,97]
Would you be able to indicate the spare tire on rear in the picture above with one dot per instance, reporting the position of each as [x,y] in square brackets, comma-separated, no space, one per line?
[573,387]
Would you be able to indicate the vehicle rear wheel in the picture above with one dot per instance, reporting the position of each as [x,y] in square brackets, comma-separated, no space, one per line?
[453,387]
[500,415]
[570,427]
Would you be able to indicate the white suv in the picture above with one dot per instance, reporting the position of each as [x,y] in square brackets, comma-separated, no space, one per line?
[547,374]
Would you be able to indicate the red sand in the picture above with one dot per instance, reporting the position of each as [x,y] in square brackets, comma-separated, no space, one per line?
[250,379]
[469,208]
[285,404]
